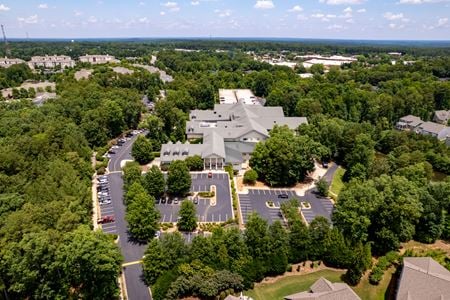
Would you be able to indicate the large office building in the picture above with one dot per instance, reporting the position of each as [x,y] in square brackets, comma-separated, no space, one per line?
[6,62]
[229,134]
[98,59]
[51,62]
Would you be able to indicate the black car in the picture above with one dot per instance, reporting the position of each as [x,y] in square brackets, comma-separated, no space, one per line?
[283,196]
[111,152]
[325,164]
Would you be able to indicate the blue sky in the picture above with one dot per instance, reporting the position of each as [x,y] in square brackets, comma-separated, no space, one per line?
[339,19]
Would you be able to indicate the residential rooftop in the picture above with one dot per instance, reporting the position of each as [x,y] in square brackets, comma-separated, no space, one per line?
[423,278]
[323,289]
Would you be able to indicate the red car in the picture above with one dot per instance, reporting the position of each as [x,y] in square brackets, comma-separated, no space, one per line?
[209,175]
[105,219]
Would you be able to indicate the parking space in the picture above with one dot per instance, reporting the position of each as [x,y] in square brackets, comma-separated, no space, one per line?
[221,212]
[256,200]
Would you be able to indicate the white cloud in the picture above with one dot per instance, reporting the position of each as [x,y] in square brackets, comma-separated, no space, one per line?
[302,17]
[29,20]
[348,10]
[194,3]
[442,22]
[340,2]
[43,6]
[296,8]
[420,1]
[396,26]
[172,6]
[362,10]
[318,15]
[144,20]
[77,13]
[3,7]
[92,19]
[335,27]
[264,4]
[392,17]
[162,13]
[142,3]
[223,13]
[351,21]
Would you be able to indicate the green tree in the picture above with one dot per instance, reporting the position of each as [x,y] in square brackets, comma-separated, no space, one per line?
[131,173]
[142,150]
[279,249]
[322,187]
[250,177]
[142,217]
[194,163]
[178,179]
[187,217]
[284,159]
[90,262]
[154,182]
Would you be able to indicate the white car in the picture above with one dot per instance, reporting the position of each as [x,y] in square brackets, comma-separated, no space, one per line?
[105,202]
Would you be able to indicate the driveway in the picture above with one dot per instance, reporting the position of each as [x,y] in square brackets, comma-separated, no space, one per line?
[131,250]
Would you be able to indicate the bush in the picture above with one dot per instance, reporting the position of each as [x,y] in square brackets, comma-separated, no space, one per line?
[250,177]
[322,187]
[206,194]
[195,163]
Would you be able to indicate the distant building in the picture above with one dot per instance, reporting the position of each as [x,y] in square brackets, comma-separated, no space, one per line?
[98,59]
[408,122]
[423,278]
[436,130]
[413,123]
[246,96]
[327,61]
[325,290]
[395,53]
[51,62]
[306,75]
[441,116]
[229,132]
[7,62]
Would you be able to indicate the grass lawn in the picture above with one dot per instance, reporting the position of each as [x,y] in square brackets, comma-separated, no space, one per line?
[337,184]
[291,285]
[365,290]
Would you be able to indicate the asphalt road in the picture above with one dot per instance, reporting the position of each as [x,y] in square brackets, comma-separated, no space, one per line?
[131,250]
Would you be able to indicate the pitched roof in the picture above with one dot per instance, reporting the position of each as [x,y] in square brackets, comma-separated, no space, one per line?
[214,145]
[442,115]
[423,278]
[323,289]
[432,127]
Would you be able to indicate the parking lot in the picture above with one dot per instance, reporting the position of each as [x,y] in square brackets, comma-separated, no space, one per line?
[221,212]
[106,205]
[256,201]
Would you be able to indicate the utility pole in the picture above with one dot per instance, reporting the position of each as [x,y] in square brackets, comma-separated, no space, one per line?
[7,49]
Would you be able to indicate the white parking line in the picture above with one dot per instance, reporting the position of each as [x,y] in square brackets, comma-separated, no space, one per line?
[164,218]
[107,210]
[170,220]
[105,227]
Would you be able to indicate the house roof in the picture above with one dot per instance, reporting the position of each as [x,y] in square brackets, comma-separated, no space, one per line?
[214,145]
[411,120]
[423,278]
[323,289]
[442,115]
[432,127]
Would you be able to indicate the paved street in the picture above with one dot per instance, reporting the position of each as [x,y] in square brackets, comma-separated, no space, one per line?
[255,201]
[132,251]
[221,212]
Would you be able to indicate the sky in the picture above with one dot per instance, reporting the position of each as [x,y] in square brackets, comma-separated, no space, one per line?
[335,19]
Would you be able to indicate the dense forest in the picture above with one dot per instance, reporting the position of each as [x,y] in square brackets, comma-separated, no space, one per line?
[47,249]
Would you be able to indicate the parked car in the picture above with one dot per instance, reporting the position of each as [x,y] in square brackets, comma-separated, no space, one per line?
[283,196]
[196,200]
[105,219]
[157,234]
[209,175]
[115,147]
[325,164]
[163,200]
[105,202]
[175,201]
[111,151]
[100,194]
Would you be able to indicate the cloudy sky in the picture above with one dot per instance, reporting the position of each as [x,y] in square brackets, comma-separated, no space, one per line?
[339,19]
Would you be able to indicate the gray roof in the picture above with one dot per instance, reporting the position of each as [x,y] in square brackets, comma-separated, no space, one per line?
[180,151]
[442,115]
[214,145]
[325,290]
[235,150]
[411,120]
[431,127]
[423,278]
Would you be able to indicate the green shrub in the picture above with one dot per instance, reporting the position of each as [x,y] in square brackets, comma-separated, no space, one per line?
[250,177]
[206,194]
